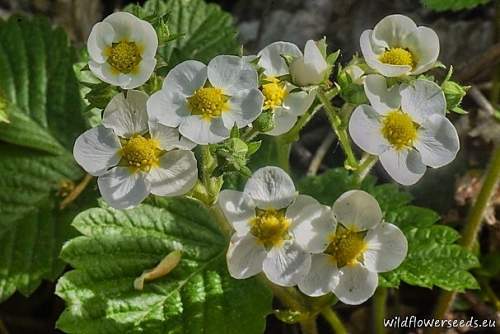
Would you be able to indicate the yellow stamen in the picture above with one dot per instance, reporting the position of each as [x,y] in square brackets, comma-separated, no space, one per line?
[140,153]
[209,102]
[124,56]
[274,93]
[346,247]
[399,129]
[398,56]
[270,227]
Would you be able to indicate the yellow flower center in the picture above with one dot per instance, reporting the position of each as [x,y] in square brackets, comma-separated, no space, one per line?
[124,56]
[209,102]
[399,129]
[398,56]
[140,153]
[346,246]
[274,93]
[270,227]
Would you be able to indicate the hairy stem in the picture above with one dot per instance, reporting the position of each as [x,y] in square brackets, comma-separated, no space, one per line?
[309,326]
[333,319]
[365,165]
[379,310]
[473,225]
[207,167]
[340,130]
[73,195]
[293,134]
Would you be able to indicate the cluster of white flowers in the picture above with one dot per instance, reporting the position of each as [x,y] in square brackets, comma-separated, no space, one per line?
[295,240]
[405,124]
[137,150]
[144,144]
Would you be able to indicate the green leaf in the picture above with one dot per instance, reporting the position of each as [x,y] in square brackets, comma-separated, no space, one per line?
[44,110]
[204,30]
[36,69]
[455,5]
[198,296]
[434,258]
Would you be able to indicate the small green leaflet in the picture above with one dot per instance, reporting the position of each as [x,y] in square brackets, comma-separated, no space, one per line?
[434,258]
[202,30]
[44,113]
[455,5]
[197,297]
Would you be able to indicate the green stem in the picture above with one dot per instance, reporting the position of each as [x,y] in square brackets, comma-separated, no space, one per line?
[221,220]
[333,319]
[293,134]
[250,134]
[365,165]
[379,310]
[340,130]
[207,167]
[309,326]
[473,225]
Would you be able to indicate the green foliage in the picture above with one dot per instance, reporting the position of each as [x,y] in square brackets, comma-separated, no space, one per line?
[202,30]
[455,5]
[434,258]
[44,110]
[198,296]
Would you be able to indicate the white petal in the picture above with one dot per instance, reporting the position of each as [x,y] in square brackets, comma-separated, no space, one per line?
[356,284]
[232,74]
[185,78]
[393,29]
[357,209]
[404,166]
[100,38]
[238,209]
[386,248]
[437,141]
[124,24]
[312,223]
[365,130]
[322,278]
[141,74]
[169,137]
[271,60]
[270,188]
[286,265]
[371,58]
[107,74]
[96,150]
[284,121]
[244,108]
[314,59]
[203,131]
[422,99]
[176,175]
[424,43]
[245,256]
[382,98]
[297,103]
[167,107]
[122,189]
[127,116]
[146,38]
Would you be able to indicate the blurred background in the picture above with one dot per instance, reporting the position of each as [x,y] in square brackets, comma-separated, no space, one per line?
[469,41]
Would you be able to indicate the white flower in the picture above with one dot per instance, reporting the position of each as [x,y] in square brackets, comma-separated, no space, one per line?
[406,127]
[122,50]
[356,74]
[132,158]
[205,102]
[310,68]
[281,97]
[396,46]
[353,250]
[267,217]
